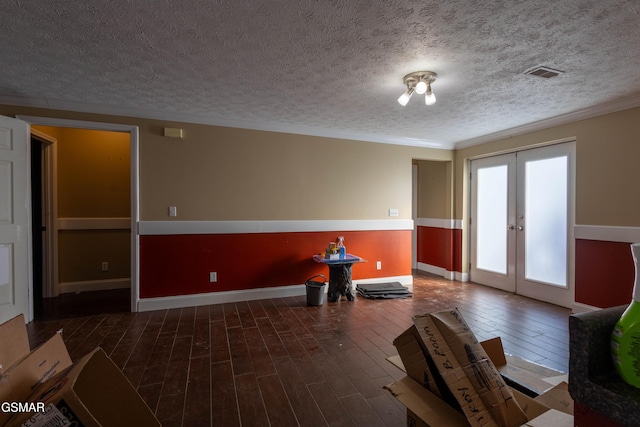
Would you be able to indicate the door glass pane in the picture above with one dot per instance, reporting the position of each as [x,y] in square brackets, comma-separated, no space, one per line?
[5,252]
[6,288]
[492,219]
[546,221]
[6,196]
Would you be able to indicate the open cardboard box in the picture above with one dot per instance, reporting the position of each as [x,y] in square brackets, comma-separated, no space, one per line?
[424,409]
[90,392]
[527,377]
[430,404]
[22,370]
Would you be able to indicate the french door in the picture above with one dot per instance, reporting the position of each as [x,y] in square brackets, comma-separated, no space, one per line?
[522,222]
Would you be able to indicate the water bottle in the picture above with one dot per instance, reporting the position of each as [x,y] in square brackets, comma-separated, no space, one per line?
[625,338]
[342,250]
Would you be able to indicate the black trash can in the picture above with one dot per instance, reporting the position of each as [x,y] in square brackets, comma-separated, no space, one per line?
[315,290]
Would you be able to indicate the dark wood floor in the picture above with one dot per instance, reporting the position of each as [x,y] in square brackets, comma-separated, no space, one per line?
[83,304]
[279,362]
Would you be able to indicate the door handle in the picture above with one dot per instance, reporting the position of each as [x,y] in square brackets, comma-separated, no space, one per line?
[510,227]
[520,228]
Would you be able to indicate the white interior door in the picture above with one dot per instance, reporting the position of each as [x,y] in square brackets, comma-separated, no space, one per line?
[15,229]
[522,222]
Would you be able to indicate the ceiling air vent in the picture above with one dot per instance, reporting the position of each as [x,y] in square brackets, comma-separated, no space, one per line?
[545,72]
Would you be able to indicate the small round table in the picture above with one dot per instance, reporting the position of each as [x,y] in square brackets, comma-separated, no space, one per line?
[340,276]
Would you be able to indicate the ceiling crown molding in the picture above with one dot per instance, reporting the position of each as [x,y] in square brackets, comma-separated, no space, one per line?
[619,104]
[202,119]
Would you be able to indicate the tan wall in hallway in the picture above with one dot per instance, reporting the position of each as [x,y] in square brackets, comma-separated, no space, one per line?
[93,174]
[81,253]
[434,189]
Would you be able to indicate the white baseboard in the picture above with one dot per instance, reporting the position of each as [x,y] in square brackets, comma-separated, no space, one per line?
[432,269]
[180,301]
[461,277]
[94,285]
[439,271]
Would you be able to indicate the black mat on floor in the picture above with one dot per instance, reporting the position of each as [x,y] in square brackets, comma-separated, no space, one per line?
[383,290]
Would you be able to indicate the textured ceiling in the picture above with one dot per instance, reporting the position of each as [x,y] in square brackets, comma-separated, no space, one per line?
[325,67]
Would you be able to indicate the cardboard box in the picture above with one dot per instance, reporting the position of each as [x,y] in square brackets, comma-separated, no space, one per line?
[93,392]
[553,397]
[424,408]
[558,398]
[416,361]
[22,370]
[551,418]
[467,370]
[12,331]
[90,392]
[527,377]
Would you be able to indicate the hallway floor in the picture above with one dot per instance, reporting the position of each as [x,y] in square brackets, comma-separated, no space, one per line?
[83,304]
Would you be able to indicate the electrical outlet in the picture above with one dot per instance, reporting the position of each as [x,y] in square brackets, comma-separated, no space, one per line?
[105,266]
[394,212]
[173,211]
[378,265]
[213,277]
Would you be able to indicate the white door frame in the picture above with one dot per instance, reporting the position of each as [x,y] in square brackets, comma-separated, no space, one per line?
[135,183]
[414,216]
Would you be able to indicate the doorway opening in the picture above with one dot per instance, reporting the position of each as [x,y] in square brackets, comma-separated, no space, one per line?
[435,233]
[84,228]
[42,201]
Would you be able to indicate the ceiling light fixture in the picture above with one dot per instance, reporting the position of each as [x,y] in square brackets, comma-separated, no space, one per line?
[419,82]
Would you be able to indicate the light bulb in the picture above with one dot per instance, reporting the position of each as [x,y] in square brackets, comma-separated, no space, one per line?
[430,97]
[404,98]
[421,87]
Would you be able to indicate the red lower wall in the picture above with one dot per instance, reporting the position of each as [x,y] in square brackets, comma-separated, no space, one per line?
[440,247]
[173,265]
[604,273]
[180,264]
